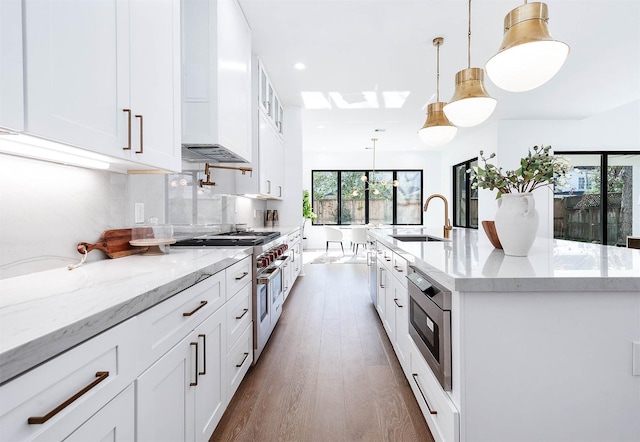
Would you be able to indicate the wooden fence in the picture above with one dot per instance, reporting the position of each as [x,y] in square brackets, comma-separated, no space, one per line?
[579,218]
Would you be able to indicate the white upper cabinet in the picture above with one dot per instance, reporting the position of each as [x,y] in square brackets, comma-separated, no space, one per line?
[216,96]
[268,101]
[11,103]
[105,76]
[271,164]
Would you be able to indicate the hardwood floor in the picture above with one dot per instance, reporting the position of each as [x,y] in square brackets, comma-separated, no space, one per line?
[328,372]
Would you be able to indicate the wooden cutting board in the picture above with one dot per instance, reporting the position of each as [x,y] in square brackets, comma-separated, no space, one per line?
[114,243]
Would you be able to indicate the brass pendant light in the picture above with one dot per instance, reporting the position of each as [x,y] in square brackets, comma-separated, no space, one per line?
[528,56]
[471,104]
[437,130]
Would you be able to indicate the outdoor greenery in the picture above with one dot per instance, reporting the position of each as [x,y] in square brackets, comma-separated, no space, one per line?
[307,210]
[537,169]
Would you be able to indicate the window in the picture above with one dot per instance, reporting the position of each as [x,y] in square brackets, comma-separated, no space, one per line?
[465,198]
[343,197]
[600,200]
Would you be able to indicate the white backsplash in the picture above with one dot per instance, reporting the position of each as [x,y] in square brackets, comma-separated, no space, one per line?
[46,209]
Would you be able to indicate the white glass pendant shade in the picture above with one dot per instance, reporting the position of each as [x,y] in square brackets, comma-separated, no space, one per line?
[437,130]
[528,56]
[471,104]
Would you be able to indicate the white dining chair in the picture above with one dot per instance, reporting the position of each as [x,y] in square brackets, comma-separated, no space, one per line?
[333,235]
[358,237]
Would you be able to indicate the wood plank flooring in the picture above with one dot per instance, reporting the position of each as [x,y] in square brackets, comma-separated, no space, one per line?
[328,372]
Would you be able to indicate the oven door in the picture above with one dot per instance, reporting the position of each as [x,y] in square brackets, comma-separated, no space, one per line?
[276,294]
[263,316]
[430,329]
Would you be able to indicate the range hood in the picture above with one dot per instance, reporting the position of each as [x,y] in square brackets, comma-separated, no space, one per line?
[209,153]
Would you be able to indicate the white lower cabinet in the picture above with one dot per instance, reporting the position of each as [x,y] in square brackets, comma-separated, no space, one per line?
[210,392]
[439,410]
[400,307]
[114,422]
[165,397]
[166,374]
[59,397]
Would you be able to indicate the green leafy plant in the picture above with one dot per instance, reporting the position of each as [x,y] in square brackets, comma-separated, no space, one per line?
[537,169]
[307,210]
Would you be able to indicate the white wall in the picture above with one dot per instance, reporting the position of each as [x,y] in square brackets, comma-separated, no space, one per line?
[47,209]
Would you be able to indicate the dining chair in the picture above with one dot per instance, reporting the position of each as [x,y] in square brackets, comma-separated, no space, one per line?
[358,237]
[333,235]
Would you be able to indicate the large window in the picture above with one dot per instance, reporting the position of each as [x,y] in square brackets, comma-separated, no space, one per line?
[344,197]
[465,198]
[600,202]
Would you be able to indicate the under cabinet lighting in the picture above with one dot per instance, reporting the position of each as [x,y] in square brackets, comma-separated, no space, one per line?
[40,149]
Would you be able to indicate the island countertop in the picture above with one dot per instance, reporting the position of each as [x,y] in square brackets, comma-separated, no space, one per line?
[468,262]
[46,313]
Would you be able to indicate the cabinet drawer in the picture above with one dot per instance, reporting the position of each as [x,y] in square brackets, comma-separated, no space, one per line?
[399,269]
[239,315]
[239,360]
[165,324]
[238,275]
[93,373]
[385,256]
[439,410]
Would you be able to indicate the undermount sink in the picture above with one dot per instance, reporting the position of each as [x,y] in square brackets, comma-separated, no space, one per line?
[416,238]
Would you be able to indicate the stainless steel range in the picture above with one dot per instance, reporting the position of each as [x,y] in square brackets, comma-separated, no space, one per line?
[269,255]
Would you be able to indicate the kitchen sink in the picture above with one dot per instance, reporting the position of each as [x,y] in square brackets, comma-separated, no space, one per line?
[416,238]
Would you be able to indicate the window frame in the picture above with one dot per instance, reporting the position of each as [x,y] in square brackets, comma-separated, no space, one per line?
[368,173]
[604,184]
[468,183]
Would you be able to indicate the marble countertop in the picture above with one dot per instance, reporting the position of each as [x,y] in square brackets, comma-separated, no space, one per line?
[468,262]
[43,314]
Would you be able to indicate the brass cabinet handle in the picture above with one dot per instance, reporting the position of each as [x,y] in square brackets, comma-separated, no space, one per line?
[202,304]
[415,378]
[128,111]
[100,376]
[193,384]
[141,132]
[238,278]
[246,355]
[204,354]
[244,312]
[396,301]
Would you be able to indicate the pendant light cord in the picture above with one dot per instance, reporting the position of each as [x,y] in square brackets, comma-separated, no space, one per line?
[438,71]
[469,39]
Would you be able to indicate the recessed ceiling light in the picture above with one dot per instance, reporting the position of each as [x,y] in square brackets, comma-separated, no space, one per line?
[299,66]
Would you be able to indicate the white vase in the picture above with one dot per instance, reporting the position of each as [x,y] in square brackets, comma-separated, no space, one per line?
[516,223]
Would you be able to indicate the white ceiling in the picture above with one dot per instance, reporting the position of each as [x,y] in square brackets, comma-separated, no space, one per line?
[351,46]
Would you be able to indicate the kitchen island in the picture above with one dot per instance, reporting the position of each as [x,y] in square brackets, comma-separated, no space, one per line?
[543,347]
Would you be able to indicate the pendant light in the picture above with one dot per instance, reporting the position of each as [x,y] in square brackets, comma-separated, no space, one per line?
[373,185]
[528,56]
[471,103]
[437,130]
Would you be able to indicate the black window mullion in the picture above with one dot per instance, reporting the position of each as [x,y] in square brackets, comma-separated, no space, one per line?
[604,198]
